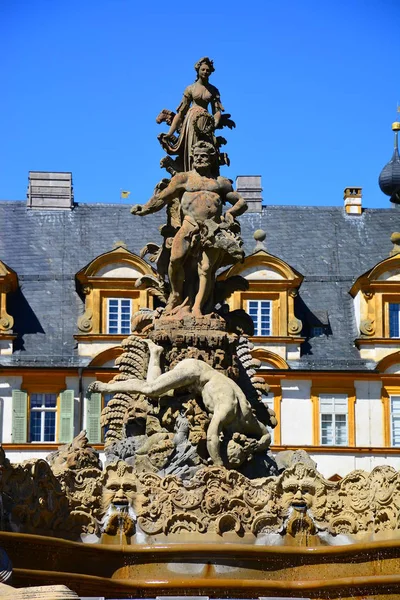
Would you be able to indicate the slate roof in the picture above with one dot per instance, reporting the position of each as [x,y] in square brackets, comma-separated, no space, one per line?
[47,248]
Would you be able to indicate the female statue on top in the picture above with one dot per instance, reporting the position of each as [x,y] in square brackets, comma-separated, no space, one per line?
[193,122]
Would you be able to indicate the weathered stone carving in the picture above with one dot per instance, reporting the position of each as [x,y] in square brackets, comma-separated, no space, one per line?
[187,443]
[122,500]
[297,501]
[35,501]
[133,362]
[223,399]
[192,122]
[119,490]
[76,456]
[200,239]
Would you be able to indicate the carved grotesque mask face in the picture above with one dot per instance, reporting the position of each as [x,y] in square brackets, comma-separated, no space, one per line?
[298,493]
[119,489]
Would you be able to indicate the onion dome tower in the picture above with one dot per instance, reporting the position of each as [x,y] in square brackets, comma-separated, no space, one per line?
[389,179]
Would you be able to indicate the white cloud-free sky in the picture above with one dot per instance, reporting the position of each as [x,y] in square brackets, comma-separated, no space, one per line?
[312,86]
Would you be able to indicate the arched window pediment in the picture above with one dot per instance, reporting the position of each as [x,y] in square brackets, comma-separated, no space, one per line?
[376,296]
[389,364]
[107,285]
[269,359]
[106,357]
[119,263]
[385,272]
[262,266]
[269,299]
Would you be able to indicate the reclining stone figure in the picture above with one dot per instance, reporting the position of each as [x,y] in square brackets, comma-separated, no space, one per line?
[222,397]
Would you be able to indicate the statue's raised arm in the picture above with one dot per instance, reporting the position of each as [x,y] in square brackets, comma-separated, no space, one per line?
[160,199]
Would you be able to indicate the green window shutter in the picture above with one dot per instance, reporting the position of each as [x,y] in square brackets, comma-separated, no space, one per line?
[19,417]
[66,432]
[93,412]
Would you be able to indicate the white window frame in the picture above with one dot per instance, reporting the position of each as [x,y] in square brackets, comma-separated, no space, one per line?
[334,405]
[43,410]
[258,327]
[269,400]
[398,320]
[119,315]
[394,417]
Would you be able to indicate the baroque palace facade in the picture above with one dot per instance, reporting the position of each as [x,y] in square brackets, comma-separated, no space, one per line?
[323,293]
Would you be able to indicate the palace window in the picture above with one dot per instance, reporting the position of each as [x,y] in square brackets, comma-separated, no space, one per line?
[260,312]
[108,287]
[42,416]
[395,420]
[119,313]
[394,320]
[334,419]
[42,427]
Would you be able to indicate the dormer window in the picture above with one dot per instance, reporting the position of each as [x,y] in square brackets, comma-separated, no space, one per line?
[261,313]
[108,287]
[377,307]
[269,299]
[119,313]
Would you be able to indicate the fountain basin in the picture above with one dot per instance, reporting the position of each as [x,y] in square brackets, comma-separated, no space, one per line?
[236,570]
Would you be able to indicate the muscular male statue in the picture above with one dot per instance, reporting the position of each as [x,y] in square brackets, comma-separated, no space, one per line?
[222,398]
[205,232]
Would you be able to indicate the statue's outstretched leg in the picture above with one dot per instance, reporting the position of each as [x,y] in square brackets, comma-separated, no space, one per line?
[176,378]
[205,271]
[223,415]
[154,368]
[179,249]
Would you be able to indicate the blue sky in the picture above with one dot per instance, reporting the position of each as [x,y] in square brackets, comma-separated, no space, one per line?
[312,86]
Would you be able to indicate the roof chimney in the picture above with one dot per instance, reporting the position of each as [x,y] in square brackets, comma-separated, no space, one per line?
[249,186]
[352,200]
[49,191]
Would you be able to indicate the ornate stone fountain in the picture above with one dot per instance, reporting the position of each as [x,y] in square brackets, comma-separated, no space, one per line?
[191,499]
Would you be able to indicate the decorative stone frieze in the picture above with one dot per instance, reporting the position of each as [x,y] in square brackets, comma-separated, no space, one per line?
[83,499]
